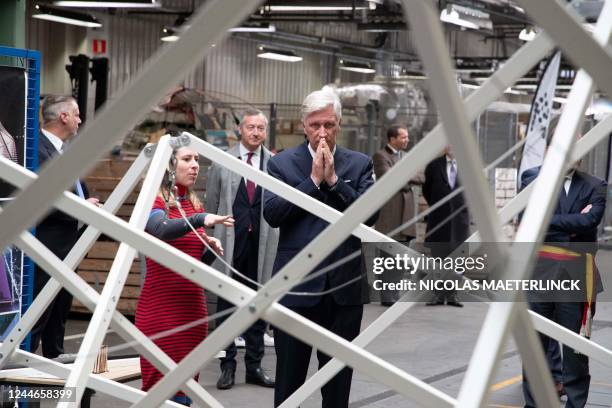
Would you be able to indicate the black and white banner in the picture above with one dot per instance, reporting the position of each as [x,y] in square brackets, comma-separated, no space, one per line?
[539,117]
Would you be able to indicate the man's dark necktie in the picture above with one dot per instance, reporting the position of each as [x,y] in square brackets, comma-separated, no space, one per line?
[250,186]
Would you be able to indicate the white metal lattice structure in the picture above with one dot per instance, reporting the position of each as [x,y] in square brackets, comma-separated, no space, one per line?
[208,26]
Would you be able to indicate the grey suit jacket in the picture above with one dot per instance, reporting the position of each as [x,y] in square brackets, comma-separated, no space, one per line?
[221,188]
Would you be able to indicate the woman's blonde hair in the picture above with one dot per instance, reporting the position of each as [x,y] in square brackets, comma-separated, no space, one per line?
[165,193]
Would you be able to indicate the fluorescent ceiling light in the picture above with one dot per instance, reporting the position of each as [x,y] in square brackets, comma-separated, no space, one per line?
[452,17]
[169,34]
[313,8]
[466,17]
[356,67]
[279,55]
[534,86]
[263,28]
[514,92]
[109,4]
[527,34]
[66,17]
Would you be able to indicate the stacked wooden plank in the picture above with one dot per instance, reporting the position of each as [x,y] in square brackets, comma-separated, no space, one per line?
[95,267]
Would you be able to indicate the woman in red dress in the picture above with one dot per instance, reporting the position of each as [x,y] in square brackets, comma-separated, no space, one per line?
[169,300]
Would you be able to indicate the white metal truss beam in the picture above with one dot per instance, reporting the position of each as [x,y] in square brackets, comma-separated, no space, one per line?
[476,386]
[503,86]
[209,25]
[491,89]
[111,293]
[429,41]
[18,333]
[26,208]
[228,288]
[571,339]
[89,297]
[254,307]
[417,158]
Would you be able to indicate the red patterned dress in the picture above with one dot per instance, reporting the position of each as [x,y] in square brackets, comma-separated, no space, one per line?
[168,300]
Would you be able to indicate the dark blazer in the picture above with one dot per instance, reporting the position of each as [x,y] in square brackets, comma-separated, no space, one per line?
[298,227]
[58,231]
[569,227]
[567,224]
[435,188]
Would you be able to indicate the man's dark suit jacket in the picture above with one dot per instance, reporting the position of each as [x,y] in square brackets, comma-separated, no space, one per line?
[567,224]
[298,227]
[568,227]
[455,231]
[58,231]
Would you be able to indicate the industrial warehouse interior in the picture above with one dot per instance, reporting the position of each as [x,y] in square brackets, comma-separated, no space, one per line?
[196,209]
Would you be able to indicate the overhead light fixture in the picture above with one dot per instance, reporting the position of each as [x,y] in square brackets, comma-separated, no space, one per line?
[527,34]
[169,34]
[66,17]
[509,90]
[254,28]
[372,4]
[466,17]
[534,87]
[109,4]
[279,55]
[356,67]
[381,27]
[310,5]
[313,8]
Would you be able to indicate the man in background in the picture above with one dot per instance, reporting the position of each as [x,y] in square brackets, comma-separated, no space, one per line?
[448,226]
[401,207]
[250,247]
[58,231]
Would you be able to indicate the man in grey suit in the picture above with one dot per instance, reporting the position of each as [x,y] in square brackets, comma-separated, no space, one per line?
[401,207]
[250,247]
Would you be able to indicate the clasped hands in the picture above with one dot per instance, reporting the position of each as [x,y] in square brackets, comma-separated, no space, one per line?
[323,165]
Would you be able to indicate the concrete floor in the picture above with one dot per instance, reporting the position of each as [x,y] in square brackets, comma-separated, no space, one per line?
[432,343]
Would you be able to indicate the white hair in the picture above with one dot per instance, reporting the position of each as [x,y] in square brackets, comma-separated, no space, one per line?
[319,100]
[54,105]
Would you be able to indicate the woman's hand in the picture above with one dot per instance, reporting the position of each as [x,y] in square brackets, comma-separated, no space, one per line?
[213,219]
[215,244]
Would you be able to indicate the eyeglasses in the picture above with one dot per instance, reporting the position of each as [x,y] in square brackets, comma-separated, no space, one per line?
[251,128]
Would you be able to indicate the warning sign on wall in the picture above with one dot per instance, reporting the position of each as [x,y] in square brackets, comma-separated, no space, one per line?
[98,46]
